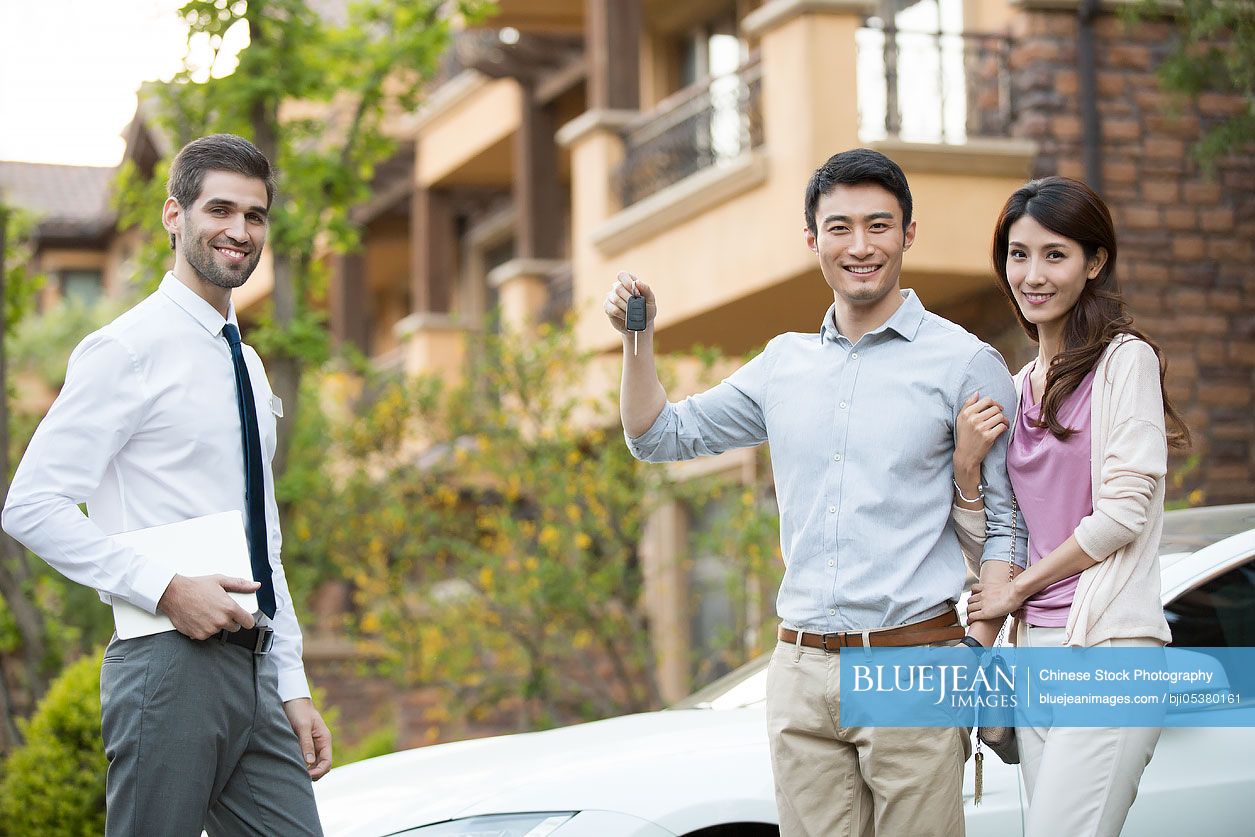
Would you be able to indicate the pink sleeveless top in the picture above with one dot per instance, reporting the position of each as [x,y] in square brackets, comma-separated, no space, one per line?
[1051,478]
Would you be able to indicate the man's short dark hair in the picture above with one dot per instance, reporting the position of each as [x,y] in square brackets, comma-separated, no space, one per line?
[852,168]
[216,152]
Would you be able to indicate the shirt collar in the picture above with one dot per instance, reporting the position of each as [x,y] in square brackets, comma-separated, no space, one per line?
[200,310]
[905,321]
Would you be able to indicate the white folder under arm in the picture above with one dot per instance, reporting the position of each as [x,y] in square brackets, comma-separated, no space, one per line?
[210,545]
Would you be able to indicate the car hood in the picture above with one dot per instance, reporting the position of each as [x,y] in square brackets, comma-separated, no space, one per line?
[649,765]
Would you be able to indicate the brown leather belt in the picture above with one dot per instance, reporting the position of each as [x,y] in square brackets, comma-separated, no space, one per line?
[943,628]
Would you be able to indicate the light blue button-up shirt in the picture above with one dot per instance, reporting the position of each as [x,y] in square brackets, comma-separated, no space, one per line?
[862,442]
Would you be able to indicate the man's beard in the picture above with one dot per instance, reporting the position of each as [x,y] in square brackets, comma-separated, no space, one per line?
[201,257]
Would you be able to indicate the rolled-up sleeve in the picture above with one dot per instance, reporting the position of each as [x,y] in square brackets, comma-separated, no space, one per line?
[1006,537]
[729,415]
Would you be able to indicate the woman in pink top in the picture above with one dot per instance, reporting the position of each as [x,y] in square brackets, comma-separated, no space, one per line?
[1087,460]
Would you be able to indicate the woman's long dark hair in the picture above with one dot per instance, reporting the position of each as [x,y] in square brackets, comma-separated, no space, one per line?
[1073,210]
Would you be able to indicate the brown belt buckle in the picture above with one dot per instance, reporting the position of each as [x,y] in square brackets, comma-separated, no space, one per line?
[836,642]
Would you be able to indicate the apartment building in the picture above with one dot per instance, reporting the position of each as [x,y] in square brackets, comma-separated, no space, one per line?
[569,139]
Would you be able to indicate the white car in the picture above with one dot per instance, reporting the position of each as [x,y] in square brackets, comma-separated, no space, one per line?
[701,768]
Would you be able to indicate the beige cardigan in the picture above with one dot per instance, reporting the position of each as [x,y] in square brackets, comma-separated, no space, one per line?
[1119,596]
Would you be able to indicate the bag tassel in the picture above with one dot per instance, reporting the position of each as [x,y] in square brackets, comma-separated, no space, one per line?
[980,763]
[979,759]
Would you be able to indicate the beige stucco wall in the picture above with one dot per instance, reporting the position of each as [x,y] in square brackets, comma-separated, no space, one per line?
[752,242]
[454,137]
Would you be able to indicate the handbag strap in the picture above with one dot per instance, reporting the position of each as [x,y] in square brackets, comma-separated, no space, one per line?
[1015,531]
[978,751]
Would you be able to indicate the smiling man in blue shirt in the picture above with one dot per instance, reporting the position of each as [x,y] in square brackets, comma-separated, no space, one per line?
[860,417]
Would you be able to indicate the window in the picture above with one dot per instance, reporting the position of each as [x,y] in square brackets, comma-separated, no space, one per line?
[711,49]
[716,586]
[82,286]
[1219,613]
[923,78]
[734,566]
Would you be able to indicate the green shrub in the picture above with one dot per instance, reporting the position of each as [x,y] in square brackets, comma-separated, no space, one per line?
[55,782]
[381,742]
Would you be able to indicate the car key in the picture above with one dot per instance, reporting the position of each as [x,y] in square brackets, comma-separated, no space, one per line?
[635,317]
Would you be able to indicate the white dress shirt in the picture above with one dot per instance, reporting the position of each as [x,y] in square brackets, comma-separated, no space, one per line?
[146,431]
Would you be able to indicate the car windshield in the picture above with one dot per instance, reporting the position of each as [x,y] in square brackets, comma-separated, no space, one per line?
[1189,530]
[737,689]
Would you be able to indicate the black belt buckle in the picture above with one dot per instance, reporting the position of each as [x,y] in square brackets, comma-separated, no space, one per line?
[257,640]
[265,640]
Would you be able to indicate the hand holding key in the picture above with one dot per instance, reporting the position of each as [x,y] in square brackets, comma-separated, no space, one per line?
[630,305]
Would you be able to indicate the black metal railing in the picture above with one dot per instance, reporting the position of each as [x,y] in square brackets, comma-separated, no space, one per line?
[933,86]
[561,297]
[707,124]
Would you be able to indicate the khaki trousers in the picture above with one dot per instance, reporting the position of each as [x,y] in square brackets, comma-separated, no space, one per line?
[1081,781]
[835,781]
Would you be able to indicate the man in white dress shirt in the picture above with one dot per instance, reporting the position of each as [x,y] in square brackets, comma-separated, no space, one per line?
[166,416]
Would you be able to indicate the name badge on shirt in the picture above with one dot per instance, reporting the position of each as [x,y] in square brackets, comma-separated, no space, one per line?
[276,405]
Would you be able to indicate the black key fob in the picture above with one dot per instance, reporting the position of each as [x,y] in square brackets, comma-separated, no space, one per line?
[636,313]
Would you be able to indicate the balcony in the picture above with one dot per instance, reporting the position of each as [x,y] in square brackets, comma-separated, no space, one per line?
[711,123]
[932,87]
[702,196]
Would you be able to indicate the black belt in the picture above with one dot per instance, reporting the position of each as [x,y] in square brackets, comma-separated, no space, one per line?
[257,640]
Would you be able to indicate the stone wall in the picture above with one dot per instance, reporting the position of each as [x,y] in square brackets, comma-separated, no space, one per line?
[1186,236]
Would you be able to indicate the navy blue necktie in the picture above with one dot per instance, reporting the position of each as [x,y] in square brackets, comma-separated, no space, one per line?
[254,486]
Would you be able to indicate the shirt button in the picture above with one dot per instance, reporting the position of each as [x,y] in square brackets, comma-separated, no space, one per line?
[836,457]
[854,356]
[842,405]
[832,510]
[831,562]
[832,611]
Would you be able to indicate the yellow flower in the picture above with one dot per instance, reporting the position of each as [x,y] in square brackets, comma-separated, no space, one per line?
[583,541]
[548,536]
[370,623]
[573,512]
[485,577]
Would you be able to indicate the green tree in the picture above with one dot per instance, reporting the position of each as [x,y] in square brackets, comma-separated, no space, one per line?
[490,533]
[1214,53]
[346,79]
[44,618]
[22,628]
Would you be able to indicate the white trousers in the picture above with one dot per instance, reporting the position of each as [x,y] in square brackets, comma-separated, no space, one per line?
[1081,781]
